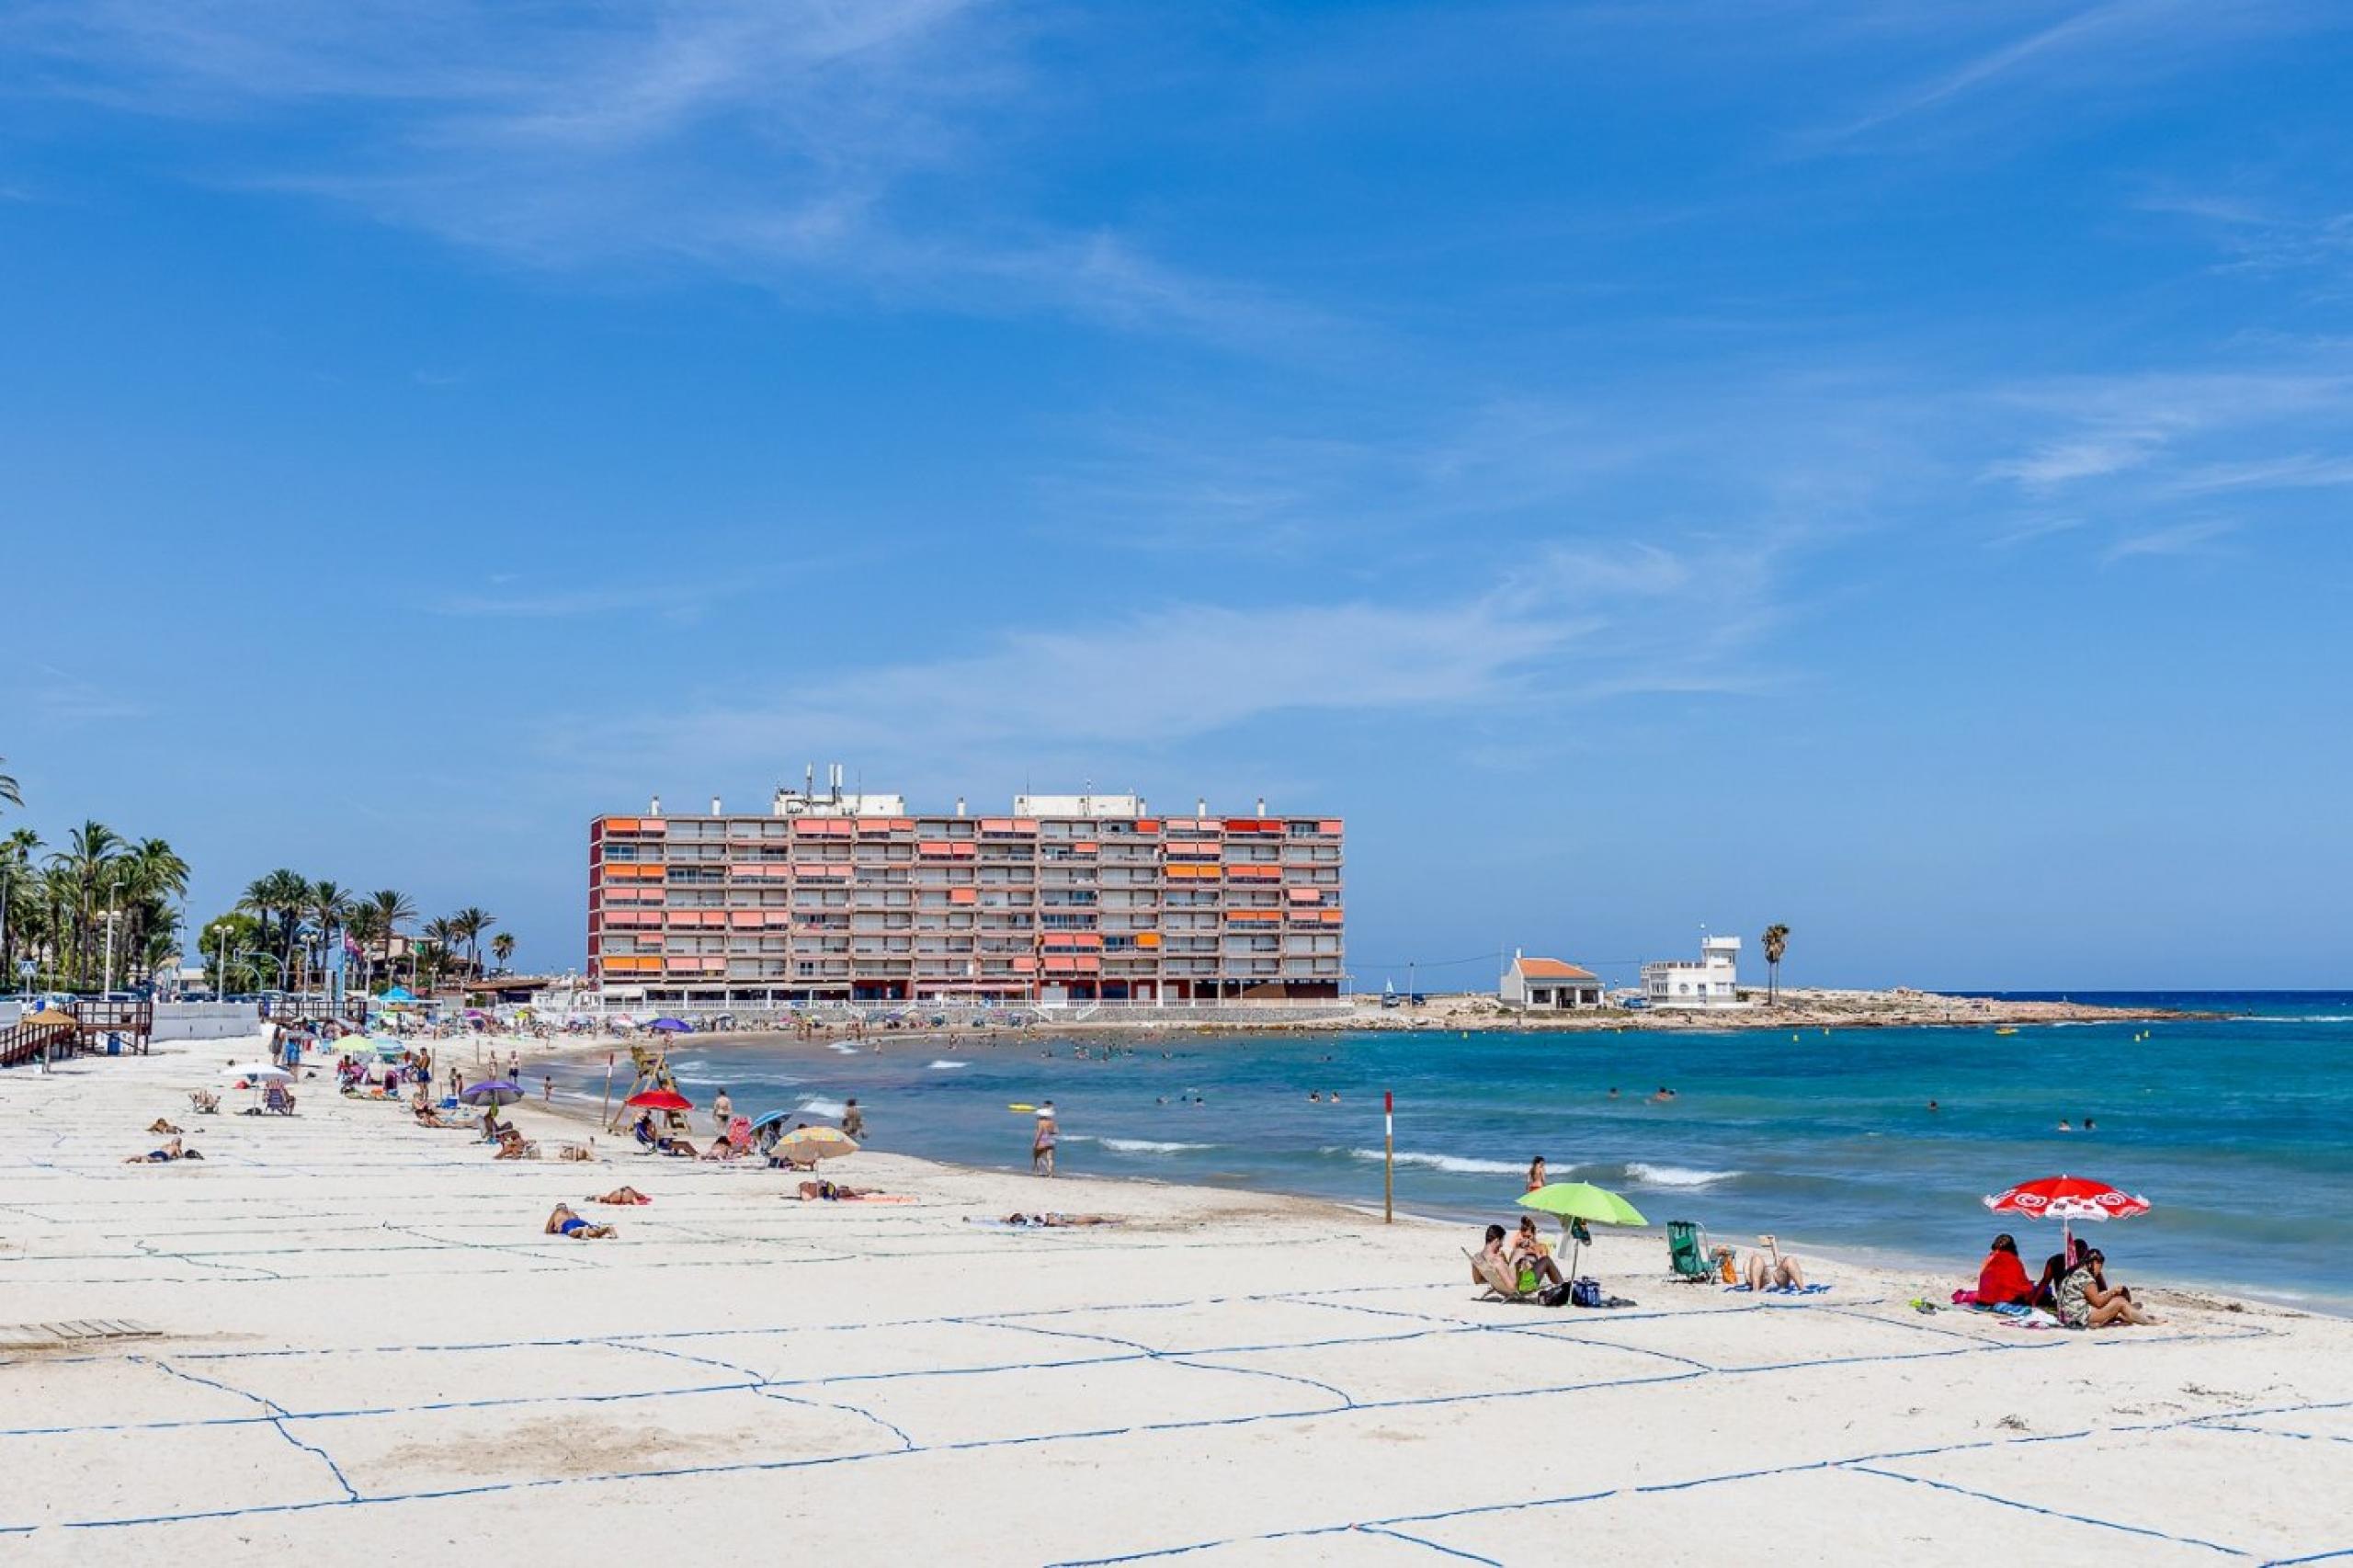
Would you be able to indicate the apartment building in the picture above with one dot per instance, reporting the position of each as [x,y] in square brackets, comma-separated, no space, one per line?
[836,896]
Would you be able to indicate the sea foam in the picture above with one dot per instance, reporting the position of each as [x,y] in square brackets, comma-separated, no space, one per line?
[1456,1163]
[945,1066]
[813,1106]
[1673,1175]
[1144,1145]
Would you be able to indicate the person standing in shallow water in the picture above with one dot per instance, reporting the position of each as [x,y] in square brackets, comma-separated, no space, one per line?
[852,1120]
[1536,1176]
[1042,1143]
[722,1112]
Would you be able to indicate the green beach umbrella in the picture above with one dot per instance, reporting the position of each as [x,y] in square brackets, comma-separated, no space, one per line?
[1574,1200]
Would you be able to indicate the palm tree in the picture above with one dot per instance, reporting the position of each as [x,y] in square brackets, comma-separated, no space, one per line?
[1777,942]
[393,910]
[365,927]
[501,947]
[469,923]
[20,903]
[442,933]
[283,892]
[85,863]
[150,874]
[8,787]
[328,908]
[430,954]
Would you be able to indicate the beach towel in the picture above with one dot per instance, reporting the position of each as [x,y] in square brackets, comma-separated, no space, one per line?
[1780,1289]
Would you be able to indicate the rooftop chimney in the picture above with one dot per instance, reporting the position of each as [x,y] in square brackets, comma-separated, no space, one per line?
[1200,806]
[1262,806]
[655,809]
[960,805]
[714,805]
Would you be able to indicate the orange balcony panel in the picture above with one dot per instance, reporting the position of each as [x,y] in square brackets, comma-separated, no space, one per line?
[963,895]
[1331,917]
[1024,966]
[1147,825]
[1147,938]
[1329,826]
[1304,895]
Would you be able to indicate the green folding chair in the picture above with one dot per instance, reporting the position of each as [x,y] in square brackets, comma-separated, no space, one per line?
[1686,1251]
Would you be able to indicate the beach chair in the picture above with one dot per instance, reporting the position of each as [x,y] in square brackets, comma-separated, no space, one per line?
[205,1102]
[1686,1251]
[1500,1286]
[275,1099]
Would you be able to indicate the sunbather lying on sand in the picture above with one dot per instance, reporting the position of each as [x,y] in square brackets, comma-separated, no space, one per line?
[562,1221]
[427,1116]
[1774,1270]
[831,1192]
[1048,1221]
[164,1155]
[627,1195]
[160,1125]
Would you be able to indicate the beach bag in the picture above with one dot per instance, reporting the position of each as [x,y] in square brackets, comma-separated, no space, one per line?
[1584,1292]
[1556,1295]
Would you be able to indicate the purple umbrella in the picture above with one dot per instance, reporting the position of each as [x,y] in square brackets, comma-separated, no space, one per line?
[676,1026]
[494,1091]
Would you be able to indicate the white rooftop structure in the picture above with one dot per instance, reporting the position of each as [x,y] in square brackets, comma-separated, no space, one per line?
[1078,806]
[1712,979]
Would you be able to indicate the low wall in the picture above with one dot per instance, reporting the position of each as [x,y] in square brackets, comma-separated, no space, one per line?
[207,1020]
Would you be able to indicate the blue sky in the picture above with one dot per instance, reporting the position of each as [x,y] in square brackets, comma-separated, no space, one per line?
[1883,469]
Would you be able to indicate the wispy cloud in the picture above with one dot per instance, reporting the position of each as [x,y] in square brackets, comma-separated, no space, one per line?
[1566,626]
[2083,54]
[506,602]
[799,144]
[2177,538]
[60,697]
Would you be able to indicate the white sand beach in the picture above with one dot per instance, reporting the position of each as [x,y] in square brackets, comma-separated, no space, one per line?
[368,1351]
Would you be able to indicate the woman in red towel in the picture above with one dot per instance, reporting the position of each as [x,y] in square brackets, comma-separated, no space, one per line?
[2002,1280]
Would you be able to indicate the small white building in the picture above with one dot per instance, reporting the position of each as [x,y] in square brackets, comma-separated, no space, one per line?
[1710,980]
[1547,986]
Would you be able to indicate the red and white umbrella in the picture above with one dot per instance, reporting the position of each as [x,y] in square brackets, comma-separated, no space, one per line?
[2068,1198]
[661,1099]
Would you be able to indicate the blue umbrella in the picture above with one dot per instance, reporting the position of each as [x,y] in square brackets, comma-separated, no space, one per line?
[676,1026]
[494,1091]
[772,1118]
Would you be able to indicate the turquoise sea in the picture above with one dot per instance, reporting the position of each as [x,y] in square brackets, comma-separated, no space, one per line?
[2236,1130]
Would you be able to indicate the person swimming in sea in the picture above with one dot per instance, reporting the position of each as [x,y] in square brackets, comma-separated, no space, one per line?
[2063,1127]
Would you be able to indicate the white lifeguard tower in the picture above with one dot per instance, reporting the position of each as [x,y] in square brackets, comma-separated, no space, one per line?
[1710,980]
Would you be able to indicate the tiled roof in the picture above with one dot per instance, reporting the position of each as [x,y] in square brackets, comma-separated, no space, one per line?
[1552,969]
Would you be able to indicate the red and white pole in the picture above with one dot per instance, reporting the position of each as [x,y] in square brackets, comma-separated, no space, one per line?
[1388,1157]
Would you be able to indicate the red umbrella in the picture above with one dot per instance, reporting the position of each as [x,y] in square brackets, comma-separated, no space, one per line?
[661,1099]
[2066,1198]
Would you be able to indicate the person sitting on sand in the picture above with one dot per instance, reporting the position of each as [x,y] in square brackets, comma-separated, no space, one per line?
[721,1151]
[2054,1269]
[1530,1258]
[511,1146]
[491,1128]
[168,1153]
[426,1116]
[2001,1279]
[160,1125]
[626,1196]
[2082,1302]
[562,1221]
[1492,1258]
[833,1192]
[1774,1270]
